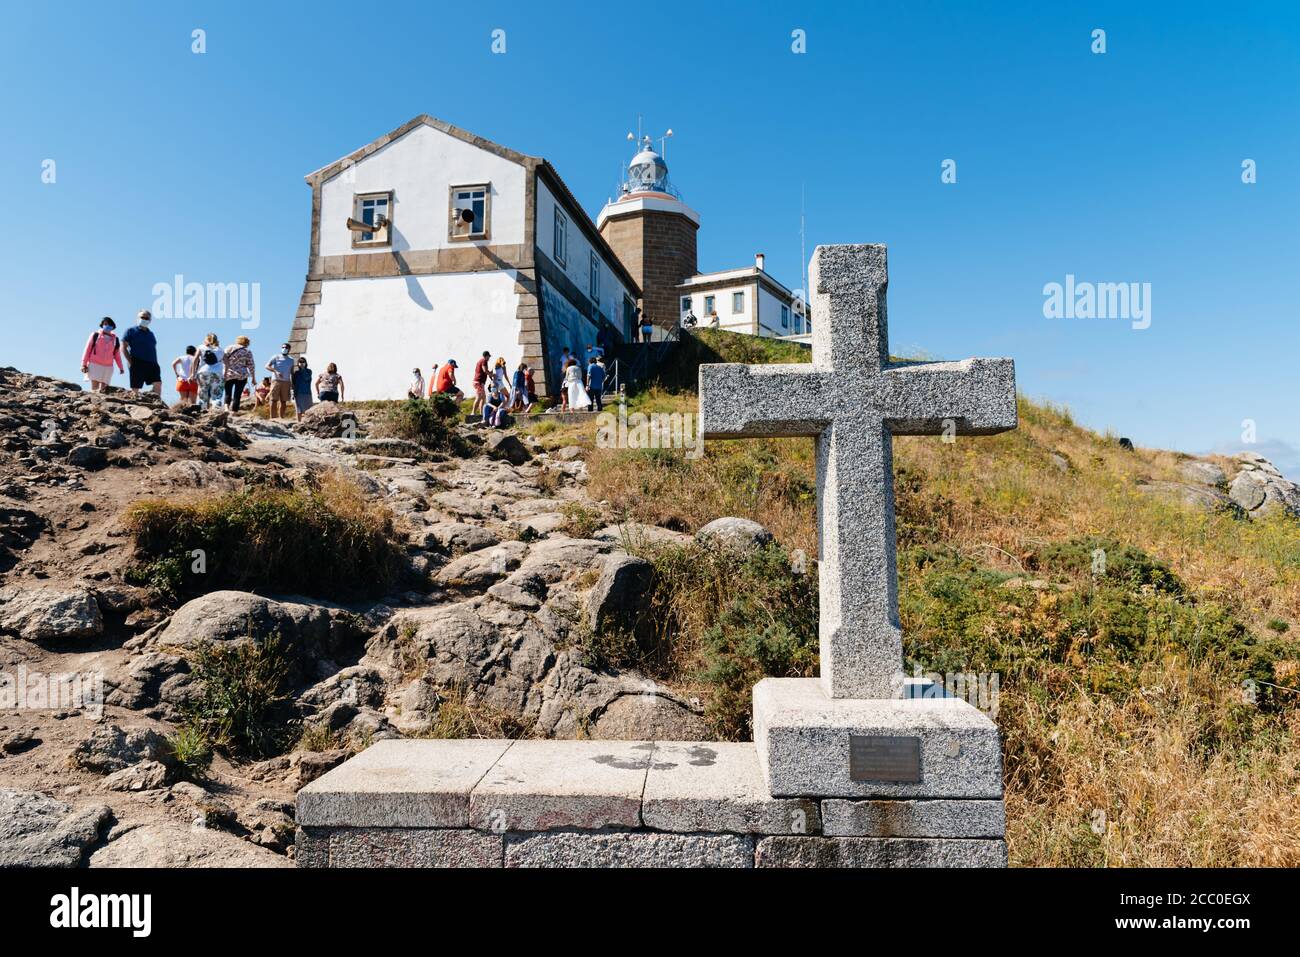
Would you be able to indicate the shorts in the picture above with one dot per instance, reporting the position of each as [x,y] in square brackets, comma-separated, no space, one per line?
[144,373]
[187,387]
[480,390]
[281,391]
[329,395]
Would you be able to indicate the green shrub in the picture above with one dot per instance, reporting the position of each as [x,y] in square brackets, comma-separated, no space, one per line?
[724,621]
[242,704]
[191,750]
[1120,564]
[431,422]
[327,542]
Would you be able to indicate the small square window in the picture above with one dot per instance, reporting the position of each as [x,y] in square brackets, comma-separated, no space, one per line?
[686,304]
[374,209]
[737,303]
[470,212]
[560,247]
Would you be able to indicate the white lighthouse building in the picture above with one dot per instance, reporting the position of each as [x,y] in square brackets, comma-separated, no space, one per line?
[474,247]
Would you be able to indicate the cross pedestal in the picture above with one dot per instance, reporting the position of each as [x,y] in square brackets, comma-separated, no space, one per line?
[858,730]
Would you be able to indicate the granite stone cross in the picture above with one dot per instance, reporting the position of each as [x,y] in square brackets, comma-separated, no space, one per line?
[853,399]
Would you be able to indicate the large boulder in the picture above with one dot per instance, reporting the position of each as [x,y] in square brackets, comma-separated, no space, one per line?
[479,569]
[38,831]
[44,614]
[109,748]
[1203,473]
[618,597]
[1260,489]
[329,420]
[313,629]
[168,844]
[89,457]
[506,447]
[455,537]
[734,534]
[650,714]
[561,557]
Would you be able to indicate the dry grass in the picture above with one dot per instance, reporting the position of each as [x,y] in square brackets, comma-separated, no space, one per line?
[328,540]
[1146,757]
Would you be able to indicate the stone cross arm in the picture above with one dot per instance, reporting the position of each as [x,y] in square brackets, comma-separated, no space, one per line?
[970,397]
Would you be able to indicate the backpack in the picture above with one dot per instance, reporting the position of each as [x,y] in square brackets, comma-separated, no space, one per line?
[117,343]
[210,357]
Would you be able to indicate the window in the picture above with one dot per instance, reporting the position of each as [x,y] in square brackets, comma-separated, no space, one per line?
[372,208]
[710,307]
[469,212]
[595,278]
[561,245]
[737,303]
[686,304]
[785,317]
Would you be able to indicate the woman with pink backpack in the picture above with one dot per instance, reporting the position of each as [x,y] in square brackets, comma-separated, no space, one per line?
[102,350]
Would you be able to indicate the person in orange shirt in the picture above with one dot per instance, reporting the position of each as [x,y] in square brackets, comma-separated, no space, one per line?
[447,381]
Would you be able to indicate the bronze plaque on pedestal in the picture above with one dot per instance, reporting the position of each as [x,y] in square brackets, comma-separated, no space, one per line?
[874,757]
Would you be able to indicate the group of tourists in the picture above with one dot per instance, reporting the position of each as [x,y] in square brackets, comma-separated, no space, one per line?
[208,375]
[582,389]
[497,390]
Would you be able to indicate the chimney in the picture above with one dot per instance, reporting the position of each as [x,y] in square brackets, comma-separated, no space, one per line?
[759,260]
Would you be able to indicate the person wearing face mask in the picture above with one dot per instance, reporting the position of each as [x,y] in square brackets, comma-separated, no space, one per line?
[416,389]
[141,347]
[302,387]
[102,350]
[281,369]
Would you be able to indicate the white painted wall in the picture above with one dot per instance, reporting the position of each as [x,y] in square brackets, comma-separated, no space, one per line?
[769,315]
[419,168]
[732,322]
[578,263]
[378,330]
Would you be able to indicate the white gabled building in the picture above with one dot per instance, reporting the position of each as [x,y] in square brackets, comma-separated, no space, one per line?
[477,247]
[745,300]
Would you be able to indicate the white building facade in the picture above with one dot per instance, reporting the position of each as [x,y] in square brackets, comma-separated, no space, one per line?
[744,300]
[475,247]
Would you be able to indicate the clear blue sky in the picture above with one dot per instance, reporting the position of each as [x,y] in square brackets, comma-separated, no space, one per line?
[1121,167]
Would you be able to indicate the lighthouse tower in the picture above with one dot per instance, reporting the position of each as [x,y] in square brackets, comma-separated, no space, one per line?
[652,232]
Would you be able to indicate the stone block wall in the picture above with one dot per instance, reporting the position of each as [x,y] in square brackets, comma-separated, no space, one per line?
[615,804]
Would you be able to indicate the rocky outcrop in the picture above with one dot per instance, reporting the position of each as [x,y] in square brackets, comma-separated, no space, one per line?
[110,748]
[1260,489]
[167,844]
[48,614]
[38,831]
[618,597]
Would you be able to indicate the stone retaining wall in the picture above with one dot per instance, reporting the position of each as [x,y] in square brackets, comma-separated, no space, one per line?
[615,804]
